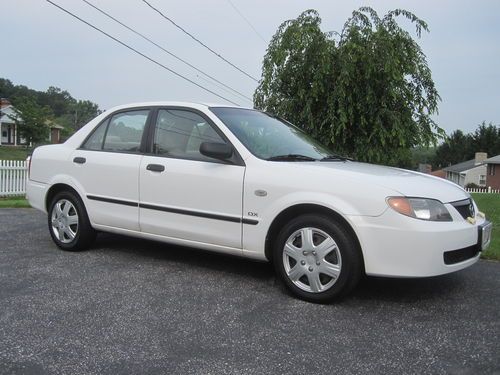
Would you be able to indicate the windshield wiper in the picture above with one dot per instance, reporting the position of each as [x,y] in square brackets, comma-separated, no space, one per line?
[334,157]
[291,157]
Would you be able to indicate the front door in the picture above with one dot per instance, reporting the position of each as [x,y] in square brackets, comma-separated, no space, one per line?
[184,194]
[4,134]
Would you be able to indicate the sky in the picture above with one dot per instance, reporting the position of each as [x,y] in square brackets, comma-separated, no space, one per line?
[41,46]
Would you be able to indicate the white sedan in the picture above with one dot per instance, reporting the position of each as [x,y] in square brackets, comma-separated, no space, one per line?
[243,182]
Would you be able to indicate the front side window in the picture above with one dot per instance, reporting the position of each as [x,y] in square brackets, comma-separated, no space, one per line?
[268,137]
[179,134]
[123,132]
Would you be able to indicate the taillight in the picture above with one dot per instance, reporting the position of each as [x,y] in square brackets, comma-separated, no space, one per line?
[28,159]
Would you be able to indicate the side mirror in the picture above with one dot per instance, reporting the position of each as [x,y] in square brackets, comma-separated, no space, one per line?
[214,150]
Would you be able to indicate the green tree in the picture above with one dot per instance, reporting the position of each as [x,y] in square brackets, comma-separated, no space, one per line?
[16,93]
[60,101]
[455,149]
[486,138]
[367,91]
[68,111]
[6,88]
[78,114]
[83,111]
[31,121]
[459,147]
[422,155]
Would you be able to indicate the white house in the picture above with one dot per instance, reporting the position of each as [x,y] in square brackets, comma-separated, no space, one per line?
[9,136]
[468,172]
[8,129]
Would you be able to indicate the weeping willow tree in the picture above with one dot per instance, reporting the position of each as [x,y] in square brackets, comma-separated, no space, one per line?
[366,91]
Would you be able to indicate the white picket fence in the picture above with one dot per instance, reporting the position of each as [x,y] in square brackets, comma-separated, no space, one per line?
[13,175]
[487,190]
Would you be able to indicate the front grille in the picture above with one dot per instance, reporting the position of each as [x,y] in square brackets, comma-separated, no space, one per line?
[457,256]
[465,208]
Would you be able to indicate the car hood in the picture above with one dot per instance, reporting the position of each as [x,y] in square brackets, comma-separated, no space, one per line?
[404,182]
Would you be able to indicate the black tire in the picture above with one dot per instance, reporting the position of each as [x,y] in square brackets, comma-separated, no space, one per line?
[344,258]
[62,229]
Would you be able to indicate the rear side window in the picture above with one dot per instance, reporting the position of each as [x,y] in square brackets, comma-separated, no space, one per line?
[96,139]
[123,132]
[180,133]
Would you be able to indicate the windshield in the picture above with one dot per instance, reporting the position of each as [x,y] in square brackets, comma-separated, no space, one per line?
[270,138]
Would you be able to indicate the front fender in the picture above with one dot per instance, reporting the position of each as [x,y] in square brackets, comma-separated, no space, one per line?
[254,236]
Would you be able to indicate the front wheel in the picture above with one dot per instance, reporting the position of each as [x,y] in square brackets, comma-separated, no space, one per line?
[69,224]
[317,258]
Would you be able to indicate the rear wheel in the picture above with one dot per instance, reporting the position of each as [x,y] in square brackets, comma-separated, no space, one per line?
[317,258]
[68,222]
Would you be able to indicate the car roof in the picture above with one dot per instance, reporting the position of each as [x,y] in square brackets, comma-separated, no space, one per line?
[196,105]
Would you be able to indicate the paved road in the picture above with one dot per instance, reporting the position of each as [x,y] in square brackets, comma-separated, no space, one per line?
[130,306]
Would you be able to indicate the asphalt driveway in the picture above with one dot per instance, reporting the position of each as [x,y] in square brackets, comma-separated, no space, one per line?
[130,306]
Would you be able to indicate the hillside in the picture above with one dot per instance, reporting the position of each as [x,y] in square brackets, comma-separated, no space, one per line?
[63,108]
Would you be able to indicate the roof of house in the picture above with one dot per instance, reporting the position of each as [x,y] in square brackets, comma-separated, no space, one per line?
[52,125]
[4,102]
[463,166]
[7,113]
[493,160]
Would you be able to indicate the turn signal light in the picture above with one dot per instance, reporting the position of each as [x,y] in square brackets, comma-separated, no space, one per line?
[401,205]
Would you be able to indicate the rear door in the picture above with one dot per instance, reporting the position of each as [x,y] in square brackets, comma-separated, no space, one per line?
[107,168]
[184,194]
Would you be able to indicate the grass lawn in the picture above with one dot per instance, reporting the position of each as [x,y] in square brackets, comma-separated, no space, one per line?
[14,153]
[490,205]
[14,202]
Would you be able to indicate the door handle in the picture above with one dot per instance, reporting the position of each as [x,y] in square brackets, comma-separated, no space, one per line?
[155,168]
[79,160]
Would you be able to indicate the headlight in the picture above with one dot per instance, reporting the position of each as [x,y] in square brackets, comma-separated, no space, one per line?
[420,208]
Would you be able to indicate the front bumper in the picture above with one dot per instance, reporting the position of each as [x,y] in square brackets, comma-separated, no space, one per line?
[398,246]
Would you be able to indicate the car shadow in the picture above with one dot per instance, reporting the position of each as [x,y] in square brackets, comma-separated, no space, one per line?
[409,290]
[184,255]
[398,290]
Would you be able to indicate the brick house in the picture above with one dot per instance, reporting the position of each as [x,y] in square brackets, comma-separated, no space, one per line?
[493,172]
[438,173]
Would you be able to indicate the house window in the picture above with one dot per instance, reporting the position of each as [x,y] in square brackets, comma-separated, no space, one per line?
[482,179]
[4,133]
[492,169]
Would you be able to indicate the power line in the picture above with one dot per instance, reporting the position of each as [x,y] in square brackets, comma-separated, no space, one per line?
[165,50]
[140,53]
[214,84]
[246,20]
[198,41]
